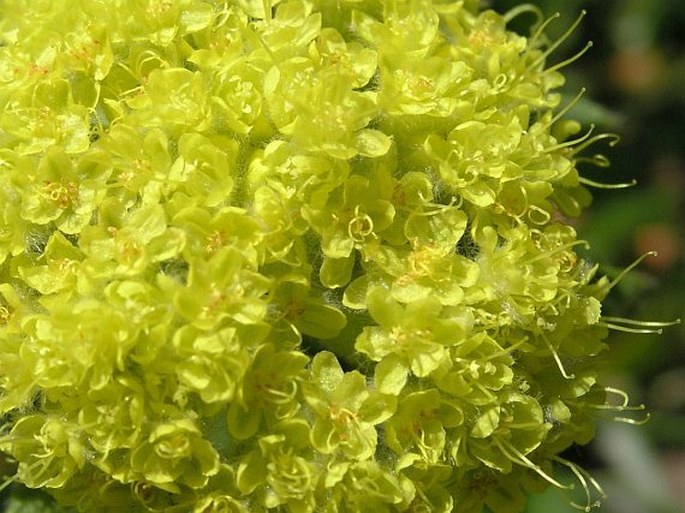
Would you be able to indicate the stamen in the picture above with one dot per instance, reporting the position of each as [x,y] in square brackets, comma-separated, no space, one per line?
[558,42]
[436,208]
[570,60]
[522,9]
[634,422]
[653,324]
[557,358]
[583,478]
[625,329]
[221,17]
[537,215]
[572,142]
[558,249]
[563,111]
[36,464]
[598,160]
[599,185]
[128,69]
[623,407]
[515,456]
[625,404]
[533,40]
[615,138]
[7,482]
[480,387]
[504,352]
[150,56]
[632,266]
[647,326]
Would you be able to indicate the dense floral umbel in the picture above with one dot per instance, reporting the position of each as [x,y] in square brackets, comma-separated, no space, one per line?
[301,256]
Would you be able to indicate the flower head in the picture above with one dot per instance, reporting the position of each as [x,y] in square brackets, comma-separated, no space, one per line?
[289,255]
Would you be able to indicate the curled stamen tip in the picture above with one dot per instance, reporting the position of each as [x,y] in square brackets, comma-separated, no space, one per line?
[634,422]
[585,509]
[625,185]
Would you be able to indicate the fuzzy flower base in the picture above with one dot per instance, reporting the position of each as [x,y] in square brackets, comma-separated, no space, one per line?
[307,256]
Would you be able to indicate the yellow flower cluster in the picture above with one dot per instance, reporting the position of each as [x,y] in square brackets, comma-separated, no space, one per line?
[298,256]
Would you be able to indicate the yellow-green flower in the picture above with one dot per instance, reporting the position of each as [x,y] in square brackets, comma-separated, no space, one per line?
[291,256]
[175,454]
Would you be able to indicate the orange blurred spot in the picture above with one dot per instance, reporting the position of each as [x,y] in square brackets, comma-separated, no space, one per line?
[661,238]
[637,70]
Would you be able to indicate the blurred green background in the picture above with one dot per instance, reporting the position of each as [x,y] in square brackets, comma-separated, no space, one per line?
[635,80]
